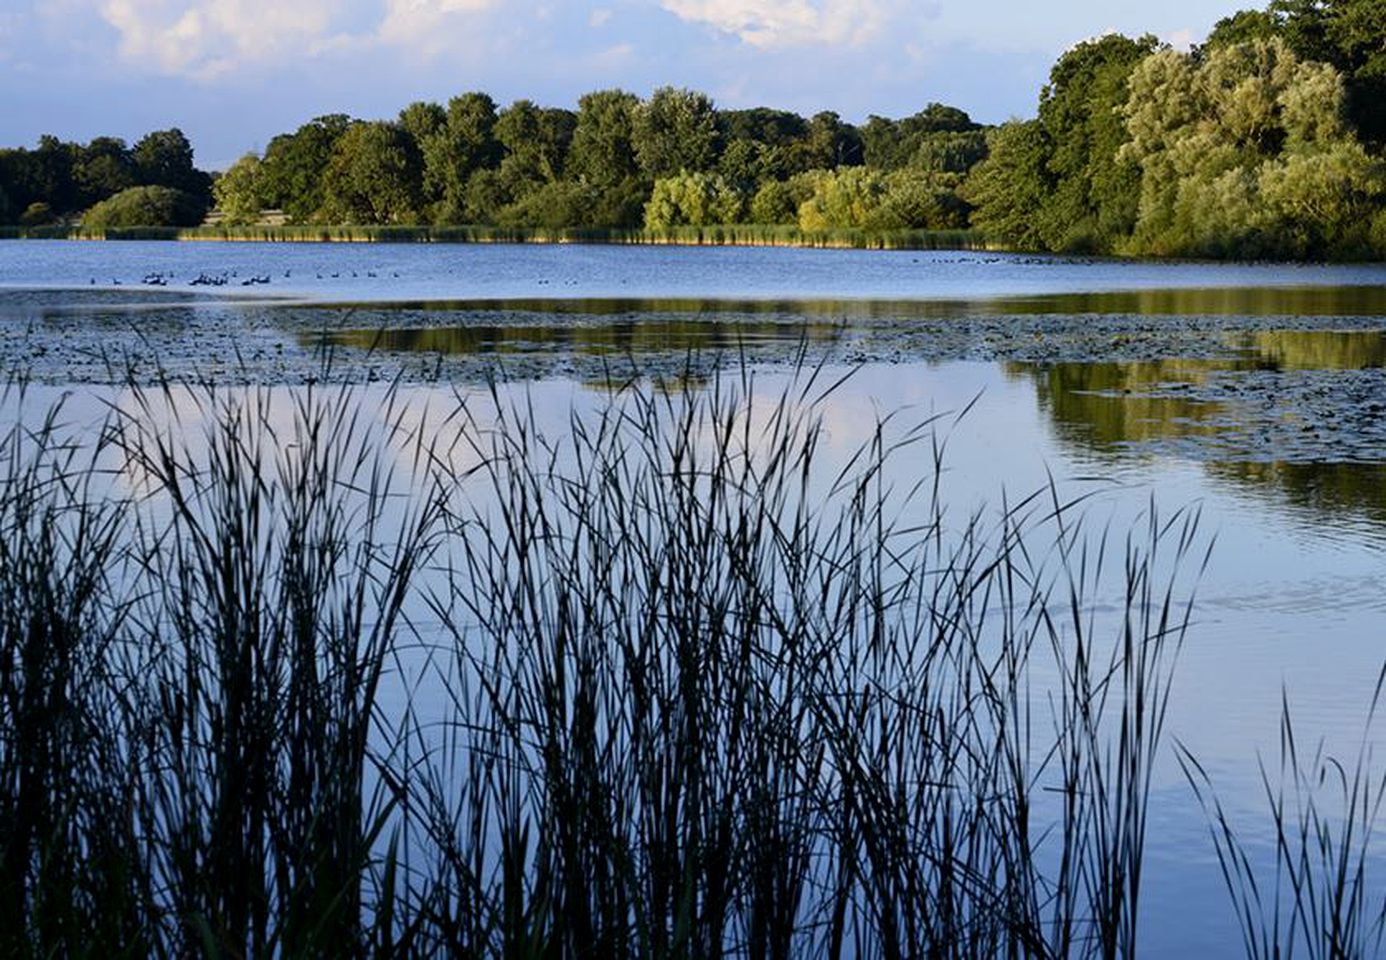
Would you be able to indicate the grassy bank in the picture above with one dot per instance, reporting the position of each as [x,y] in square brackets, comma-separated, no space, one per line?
[298,676]
[733,235]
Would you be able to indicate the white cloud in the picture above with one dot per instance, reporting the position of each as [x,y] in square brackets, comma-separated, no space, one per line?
[788,23]
[599,17]
[430,24]
[207,38]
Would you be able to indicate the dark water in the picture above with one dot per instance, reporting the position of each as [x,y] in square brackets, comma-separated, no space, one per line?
[1275,428]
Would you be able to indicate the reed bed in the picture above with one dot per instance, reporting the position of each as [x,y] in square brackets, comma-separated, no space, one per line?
[725,235]
[294,674]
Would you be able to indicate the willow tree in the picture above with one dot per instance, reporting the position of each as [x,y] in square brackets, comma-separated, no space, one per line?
[694,199]
[1247,152]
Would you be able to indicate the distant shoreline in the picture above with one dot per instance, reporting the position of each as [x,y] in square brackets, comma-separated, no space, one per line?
[712,236]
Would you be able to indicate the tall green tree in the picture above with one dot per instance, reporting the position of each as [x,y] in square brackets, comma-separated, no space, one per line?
[1096,192]
[827,144]
[53,174]
[1247,151]
[423,122]
[774,128]
[675,131]
[1009,189]
[602,157]
[535,142]
[103,168]
[295,163]
[240,190]
[372,177]
[164,158]
[464,145]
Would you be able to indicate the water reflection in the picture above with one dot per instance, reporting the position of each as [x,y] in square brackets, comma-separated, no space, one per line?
[1293,416]
[623,337]
[1320,301]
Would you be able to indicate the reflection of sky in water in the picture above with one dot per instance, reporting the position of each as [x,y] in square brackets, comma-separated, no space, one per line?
[1295,596]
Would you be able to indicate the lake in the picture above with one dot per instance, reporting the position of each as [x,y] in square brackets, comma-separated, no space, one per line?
[1254,393]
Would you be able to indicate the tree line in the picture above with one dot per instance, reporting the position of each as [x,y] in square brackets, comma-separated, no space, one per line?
[616,161]
[1265,141]
[56,179]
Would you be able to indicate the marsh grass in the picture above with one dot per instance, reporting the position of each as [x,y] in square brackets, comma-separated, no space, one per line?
[725,235]
[661,682]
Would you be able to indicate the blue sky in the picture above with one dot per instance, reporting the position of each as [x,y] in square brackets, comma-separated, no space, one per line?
[232,73]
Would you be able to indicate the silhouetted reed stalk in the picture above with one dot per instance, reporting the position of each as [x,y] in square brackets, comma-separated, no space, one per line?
[749,706]
[1319,897]
[669,685]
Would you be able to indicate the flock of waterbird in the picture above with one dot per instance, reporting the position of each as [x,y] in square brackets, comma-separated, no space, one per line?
[233,278]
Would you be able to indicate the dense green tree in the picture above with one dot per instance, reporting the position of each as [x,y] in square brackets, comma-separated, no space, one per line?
[949,151]
[917,200]
[372,177]
[534,141]
[486,196]
[164,158]
[104,168]
[827,143]
[746,164]
[559,203]
[1096,189]
[240,191]
[848,198]
[423,120]
[295,163]
[775,202]
[695,199]
[1348,34]
[867,199]
[893,144]
[1243,26]
[53,174]
[675,131]
[146,207]
[602,157]
[465,144]
[774,128]
[1009,189]
[1246,151]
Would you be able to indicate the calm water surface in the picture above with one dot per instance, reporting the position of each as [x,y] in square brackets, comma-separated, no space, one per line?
[1295,598]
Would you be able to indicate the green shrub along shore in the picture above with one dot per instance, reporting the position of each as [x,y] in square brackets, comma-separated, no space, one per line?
[1264,142]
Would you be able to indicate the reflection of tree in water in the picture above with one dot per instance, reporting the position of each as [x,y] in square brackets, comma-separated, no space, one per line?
[1314,349]
[1110,405]
[633,337]
[1104,407]
[1324,301]
[1328,489]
